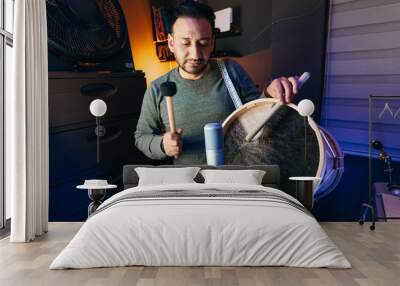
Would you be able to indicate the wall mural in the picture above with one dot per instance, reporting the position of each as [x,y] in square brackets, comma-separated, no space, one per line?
[289,139]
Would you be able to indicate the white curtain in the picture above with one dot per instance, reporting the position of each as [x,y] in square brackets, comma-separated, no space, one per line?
[27,124]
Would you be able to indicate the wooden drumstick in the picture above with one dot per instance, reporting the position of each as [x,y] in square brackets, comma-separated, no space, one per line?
[168,90]
[303,78]
[171,114]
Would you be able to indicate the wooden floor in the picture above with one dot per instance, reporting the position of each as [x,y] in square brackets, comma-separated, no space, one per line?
[374,255]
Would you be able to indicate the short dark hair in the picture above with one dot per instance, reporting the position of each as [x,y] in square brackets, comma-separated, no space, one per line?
[193,9]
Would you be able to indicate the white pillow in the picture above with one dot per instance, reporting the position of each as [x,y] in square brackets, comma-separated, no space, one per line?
[163,176]
[248,177]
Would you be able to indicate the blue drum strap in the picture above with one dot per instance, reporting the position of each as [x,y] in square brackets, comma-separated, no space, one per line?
[229,84]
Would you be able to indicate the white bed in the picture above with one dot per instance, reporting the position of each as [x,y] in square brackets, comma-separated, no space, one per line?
[225,225]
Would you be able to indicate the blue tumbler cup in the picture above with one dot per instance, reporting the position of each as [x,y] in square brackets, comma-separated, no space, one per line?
[214,143]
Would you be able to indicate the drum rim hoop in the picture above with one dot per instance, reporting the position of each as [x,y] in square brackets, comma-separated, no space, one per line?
[235,114]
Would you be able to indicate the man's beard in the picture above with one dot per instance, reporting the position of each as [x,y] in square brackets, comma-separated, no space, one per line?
[195,71]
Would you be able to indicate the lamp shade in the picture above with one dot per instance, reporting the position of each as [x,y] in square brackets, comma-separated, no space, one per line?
[98,107]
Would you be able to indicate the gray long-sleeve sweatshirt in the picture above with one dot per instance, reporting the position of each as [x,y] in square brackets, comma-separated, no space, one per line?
[196,103]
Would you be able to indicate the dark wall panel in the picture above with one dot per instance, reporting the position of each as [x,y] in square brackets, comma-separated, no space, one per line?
[72,139]
[294,30]
[298,44]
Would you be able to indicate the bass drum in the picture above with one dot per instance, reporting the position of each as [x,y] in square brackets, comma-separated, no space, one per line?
[296,143]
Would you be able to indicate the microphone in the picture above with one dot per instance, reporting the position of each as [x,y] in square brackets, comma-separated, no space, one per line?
[214,143]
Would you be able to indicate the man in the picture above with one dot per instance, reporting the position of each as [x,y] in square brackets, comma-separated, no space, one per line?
[202,96]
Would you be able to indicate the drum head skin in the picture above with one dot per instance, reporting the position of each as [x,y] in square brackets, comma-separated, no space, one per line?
[287,139]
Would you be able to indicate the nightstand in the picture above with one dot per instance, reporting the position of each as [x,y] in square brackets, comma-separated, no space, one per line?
[304,190]
[97,190]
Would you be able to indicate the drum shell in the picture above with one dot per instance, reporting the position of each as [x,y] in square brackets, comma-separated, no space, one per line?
[322,155]
[332,165]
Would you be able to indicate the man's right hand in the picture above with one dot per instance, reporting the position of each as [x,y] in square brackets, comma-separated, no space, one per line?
[172,143]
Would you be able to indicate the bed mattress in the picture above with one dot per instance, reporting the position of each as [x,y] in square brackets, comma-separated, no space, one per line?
[201,225]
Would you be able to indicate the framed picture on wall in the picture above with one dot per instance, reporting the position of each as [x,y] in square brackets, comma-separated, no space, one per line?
[163,52]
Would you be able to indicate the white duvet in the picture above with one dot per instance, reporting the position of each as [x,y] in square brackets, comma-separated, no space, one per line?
[185,231]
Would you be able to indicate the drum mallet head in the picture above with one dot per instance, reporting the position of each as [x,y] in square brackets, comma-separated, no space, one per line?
[168,88]
[305,107]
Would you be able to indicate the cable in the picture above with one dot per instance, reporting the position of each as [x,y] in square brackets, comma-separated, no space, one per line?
[312,11]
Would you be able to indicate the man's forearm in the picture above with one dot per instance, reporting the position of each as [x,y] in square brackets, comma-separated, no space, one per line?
[150,145]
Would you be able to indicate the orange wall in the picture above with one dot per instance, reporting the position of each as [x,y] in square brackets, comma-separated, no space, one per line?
[138,18]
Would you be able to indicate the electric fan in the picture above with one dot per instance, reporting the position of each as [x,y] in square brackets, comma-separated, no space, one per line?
[91,31]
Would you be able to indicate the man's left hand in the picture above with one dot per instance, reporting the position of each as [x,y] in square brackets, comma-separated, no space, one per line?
[283,88]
